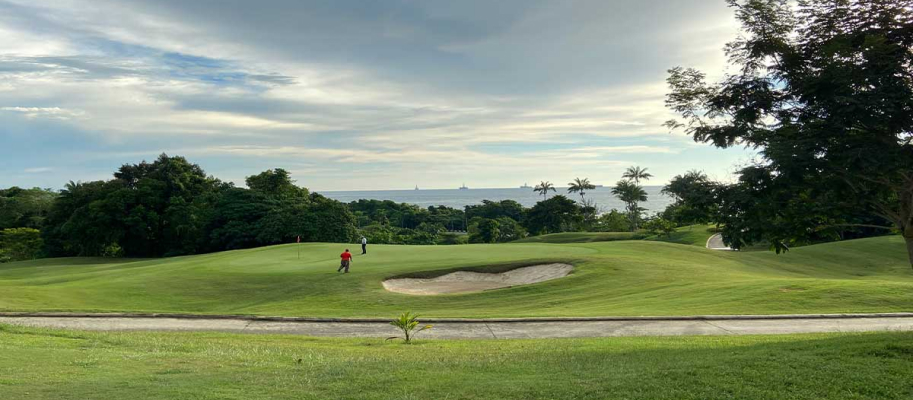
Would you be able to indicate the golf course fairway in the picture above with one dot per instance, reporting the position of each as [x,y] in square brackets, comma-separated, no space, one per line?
[617,278]
[54,364]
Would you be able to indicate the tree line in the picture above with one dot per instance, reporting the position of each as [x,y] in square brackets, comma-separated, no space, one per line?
[167,207]
[171,207]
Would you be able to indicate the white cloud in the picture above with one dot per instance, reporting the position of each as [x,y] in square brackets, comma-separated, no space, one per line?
[47,112]
[427,87]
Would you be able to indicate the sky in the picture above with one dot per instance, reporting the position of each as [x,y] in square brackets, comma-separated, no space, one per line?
[355,95]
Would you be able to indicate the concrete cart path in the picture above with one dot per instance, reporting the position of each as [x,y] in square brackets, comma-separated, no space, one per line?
[482,330]
[715,242]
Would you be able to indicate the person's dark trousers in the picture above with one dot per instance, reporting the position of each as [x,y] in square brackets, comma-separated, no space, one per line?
[344,265]
[364,249]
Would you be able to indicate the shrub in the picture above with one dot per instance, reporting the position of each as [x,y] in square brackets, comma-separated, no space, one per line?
[450,238]
[613,221]
[659,225]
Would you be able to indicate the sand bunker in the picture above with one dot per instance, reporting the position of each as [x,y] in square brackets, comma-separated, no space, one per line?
[466,282]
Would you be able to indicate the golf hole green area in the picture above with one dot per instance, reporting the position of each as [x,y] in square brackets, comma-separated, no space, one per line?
[471,281]
[619,278]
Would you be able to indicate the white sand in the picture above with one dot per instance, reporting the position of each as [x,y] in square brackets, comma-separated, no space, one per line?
[467,282]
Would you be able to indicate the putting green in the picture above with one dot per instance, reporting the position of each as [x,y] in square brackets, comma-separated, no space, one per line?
[610,278]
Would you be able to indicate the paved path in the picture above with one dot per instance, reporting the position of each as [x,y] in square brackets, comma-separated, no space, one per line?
[484,330]
[716,243]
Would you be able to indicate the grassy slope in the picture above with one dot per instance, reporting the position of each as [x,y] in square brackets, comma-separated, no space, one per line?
[611,278]
[47,364]
[582,237]
[695,235]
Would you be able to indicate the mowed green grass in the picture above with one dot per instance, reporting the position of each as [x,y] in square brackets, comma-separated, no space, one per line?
[610,278]
[695,235]
[582,237]
[50,364]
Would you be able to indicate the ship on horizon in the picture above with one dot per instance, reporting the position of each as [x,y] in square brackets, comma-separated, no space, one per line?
[526,186]
[464,187]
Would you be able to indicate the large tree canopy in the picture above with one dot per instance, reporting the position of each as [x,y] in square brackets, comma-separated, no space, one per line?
[171,207]
[694,199]
[24,208]
[555,215]
[824,91]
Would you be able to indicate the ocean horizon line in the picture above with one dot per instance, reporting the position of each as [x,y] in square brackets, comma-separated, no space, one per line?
[448,189]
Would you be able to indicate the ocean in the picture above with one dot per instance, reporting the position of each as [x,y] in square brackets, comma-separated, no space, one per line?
[456,198]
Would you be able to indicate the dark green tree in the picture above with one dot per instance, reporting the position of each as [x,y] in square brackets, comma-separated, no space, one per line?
[171,207]
[154,206]
[25,208]
[484,230]
[450,218]
[555,215]
[329,221]
[509,230]
[824,91]
[496,209]
[78,223]
[239,219]
[694,199]
[20,244]
[275,182]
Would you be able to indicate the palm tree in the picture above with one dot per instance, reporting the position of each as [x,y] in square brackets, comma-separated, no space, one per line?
[637,174]
[543,188]
[631,194]
[580,186]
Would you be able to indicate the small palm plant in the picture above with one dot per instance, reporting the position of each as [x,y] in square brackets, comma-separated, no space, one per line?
[408,323]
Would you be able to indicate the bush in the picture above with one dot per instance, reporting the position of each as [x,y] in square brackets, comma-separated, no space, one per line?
[450,238]
[613,221]
[113,250]
[659,225]
[378,234]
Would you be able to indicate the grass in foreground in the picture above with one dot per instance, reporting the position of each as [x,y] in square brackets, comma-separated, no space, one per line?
[610,278]
[50,364]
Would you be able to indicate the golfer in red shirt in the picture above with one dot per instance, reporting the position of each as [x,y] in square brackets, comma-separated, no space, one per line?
[346,261]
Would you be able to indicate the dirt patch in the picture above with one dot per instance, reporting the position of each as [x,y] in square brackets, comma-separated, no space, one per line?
[468,282]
